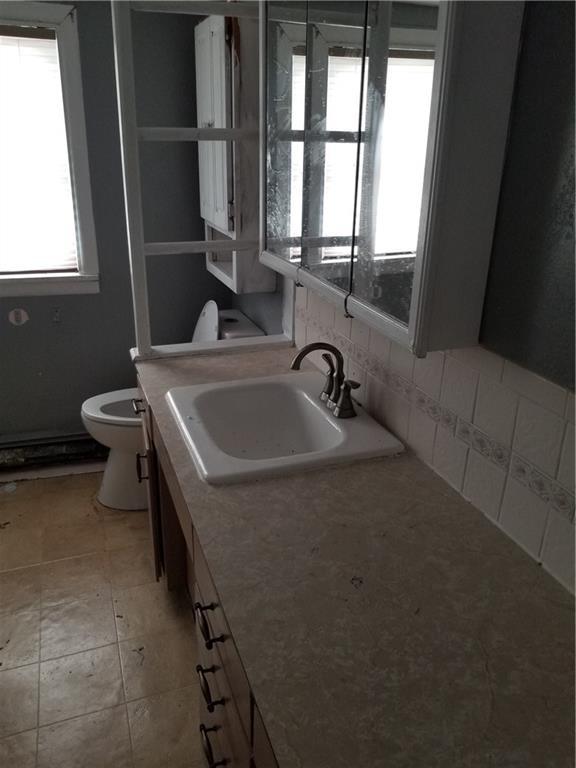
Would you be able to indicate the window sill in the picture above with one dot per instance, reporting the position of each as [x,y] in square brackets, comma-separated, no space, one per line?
[48,285]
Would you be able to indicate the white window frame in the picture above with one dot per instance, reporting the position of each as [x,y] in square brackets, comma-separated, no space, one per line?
[63,20]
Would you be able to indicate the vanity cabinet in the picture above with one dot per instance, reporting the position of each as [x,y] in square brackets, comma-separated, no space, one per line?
[386,134]
[231,727]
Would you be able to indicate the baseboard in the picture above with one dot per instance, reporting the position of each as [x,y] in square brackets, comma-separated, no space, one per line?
[41,453]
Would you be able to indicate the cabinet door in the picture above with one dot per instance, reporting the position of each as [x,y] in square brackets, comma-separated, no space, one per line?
[152,486]
[212,105]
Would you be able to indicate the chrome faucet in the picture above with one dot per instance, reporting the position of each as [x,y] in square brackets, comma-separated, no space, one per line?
[336,392]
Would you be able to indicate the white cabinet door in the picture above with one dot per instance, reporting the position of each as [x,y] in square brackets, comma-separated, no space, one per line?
[212,98]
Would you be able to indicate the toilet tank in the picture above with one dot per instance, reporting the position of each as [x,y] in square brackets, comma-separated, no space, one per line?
[234,324]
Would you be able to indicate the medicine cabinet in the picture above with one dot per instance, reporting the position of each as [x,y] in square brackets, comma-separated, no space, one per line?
[385,130]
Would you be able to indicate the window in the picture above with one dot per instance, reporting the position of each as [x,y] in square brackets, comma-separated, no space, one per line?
[47,242]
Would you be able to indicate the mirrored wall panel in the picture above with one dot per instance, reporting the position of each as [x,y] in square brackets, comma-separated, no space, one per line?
[349,102]
[399,71]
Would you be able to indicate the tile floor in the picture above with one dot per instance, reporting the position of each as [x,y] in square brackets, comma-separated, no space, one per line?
[96,659]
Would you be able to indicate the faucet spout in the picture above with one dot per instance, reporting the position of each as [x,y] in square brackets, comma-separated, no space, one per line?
[338,377]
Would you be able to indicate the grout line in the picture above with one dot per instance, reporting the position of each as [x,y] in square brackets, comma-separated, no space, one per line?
[561,451]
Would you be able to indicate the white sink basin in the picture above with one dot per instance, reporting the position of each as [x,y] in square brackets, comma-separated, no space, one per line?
[250,428]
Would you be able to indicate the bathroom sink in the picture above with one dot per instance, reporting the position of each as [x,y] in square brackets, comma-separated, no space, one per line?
[250,428]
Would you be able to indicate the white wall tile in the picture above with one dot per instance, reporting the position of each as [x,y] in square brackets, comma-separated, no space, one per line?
[314,303]
[569,413]
[459,384]
[482,360]
[321,309]
[523,517]
[566,468]
[495,411]
[428,373]
[484,484]
[357,373]
[449,458]
[538,436]
[558,550]
[327,314]
[343,324]
[421,435]
[401,361]
[360,333]
[534,387]
[299,333]
[375,397]
[301,297]
[396,412]
[379,345]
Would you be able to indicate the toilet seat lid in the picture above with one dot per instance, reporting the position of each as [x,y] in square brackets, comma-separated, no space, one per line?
[207,324]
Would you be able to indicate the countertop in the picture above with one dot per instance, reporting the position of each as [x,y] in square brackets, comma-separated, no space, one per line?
[381,619]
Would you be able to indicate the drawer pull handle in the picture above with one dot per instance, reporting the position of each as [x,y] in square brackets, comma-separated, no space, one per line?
[205,688]
[207,747]
[138,405]
[139,474]
[200,610]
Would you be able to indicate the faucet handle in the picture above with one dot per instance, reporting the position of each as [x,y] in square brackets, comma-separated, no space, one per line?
[329,385]
[344,408]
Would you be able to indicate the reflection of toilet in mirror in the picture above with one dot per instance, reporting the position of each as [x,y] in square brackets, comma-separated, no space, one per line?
[112,421]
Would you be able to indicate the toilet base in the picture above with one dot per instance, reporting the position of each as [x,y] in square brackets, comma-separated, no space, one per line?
[120,488]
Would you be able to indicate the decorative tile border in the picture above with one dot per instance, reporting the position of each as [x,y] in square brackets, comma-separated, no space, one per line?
[499,454]
[543,486]
[491,449]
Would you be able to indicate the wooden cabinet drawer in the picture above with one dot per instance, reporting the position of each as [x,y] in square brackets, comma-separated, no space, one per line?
[218,626]
[262,752]
[231,737]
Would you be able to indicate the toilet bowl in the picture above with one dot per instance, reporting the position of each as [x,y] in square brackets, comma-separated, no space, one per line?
[111,420]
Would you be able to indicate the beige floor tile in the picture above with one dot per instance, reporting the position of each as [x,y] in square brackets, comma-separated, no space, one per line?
[60,541]
[131,566]
[150,608]
[19,751]
[79,684]
[99,740]
[18,699]
[19,639]
[125,529]
[76,626]
[157,663]
[20,590]
[164,730]
[76,578]
[42,490]
[73,507]
[19,547]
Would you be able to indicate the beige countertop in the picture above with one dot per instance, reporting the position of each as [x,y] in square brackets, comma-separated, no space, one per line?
[381,619]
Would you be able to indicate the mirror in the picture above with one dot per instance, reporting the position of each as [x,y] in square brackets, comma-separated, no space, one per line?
[348,112]
[399,71]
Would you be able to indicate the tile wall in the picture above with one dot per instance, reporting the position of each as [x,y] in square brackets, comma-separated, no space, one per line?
[499,434]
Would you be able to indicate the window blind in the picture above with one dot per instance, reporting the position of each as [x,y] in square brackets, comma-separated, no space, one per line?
[37,221]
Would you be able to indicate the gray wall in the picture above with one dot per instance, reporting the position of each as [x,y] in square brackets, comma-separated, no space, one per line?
[529,309]
[48,368]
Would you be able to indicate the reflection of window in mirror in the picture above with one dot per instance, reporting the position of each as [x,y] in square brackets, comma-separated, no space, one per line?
[342,101]
[402,149]
[403,152]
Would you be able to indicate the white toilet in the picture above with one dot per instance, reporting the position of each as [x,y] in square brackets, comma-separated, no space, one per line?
[111,420]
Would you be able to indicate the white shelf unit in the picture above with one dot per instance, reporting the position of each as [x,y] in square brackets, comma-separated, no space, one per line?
[246,274]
